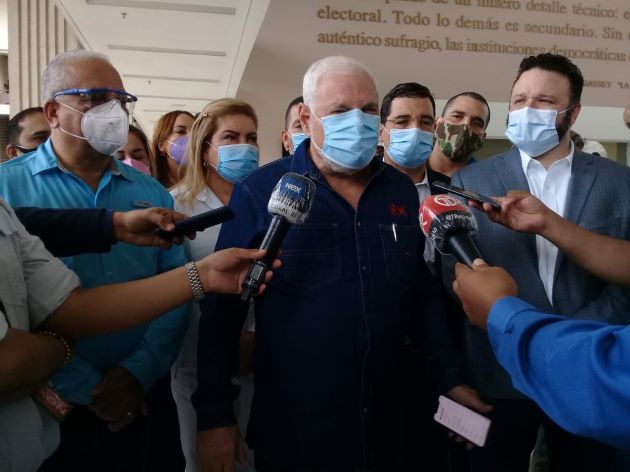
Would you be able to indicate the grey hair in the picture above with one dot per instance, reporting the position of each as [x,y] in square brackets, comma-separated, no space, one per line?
[325,66]
[56,77]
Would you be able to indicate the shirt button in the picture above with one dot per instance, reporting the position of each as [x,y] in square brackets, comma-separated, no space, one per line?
[358,223]
[109,274]
[363,268]
[365,410]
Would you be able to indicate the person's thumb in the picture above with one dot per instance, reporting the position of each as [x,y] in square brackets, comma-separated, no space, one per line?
[477,263]
[481,406]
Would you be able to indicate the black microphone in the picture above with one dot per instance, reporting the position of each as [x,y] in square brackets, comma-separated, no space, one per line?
[289,204]
[197,223]
[450,226]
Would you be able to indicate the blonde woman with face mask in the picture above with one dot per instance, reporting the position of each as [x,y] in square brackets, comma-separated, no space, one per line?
[222,148]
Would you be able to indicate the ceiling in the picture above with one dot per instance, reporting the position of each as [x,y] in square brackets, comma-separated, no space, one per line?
[172,55]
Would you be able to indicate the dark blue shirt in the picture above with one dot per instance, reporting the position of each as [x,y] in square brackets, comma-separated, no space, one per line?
[331,325]
[70,231]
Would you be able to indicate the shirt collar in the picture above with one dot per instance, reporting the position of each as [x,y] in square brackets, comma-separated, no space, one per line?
[206,195]
[527,160]
[301,162]
[425,180]
[47,160]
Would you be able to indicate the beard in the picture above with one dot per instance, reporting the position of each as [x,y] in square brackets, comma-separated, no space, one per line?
[564,126]
[337,169]
[334,168]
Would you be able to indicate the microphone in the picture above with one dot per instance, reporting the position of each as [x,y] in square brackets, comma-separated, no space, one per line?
[450,226]
[289,204]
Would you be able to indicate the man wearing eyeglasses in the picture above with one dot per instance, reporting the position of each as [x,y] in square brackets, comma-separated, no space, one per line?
[88,110]
[25,131]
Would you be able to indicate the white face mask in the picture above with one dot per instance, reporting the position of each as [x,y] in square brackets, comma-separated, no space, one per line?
[105,127]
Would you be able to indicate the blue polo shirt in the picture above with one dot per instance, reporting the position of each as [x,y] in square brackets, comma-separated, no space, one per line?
[147,351]
[331,325]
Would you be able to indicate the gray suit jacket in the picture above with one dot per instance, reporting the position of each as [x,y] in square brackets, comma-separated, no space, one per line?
[598,199]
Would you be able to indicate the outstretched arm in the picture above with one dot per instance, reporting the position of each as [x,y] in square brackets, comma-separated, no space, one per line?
[607,258]
[67,232]
[122,306]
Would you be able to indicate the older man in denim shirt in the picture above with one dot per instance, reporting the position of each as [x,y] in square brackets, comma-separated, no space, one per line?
[330,329]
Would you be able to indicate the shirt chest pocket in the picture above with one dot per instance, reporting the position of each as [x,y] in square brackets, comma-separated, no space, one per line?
[12,288]
[310,256]
[401,245]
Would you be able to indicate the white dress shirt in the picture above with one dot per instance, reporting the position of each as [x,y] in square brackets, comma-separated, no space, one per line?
[551,187]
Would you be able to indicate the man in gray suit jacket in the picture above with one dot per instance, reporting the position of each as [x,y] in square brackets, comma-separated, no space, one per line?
[588,190]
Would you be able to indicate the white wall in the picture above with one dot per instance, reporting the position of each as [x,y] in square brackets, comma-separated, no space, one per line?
[4,27]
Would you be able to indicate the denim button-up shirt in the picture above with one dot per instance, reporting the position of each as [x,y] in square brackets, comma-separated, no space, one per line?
[329,328]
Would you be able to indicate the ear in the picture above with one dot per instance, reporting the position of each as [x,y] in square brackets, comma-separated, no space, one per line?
[11,151]
[305,118]
[285,137]
[575,111]
[50,113]
[162,146]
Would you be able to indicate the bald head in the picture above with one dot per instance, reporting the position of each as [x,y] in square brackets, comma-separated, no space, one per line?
[75,69]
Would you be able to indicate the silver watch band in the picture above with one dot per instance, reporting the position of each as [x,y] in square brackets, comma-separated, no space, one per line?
[195,281]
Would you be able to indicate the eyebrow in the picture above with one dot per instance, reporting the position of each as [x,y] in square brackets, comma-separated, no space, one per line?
[408,116]
[472,117]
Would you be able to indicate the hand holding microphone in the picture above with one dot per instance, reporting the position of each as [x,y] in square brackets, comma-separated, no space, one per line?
[480,287]
[450,226]
[290,203]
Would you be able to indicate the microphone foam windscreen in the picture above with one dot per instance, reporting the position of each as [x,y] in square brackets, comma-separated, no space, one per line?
[292,198]
[441,216]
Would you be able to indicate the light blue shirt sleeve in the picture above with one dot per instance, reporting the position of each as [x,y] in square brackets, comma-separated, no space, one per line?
[160,345]
[577,371]
[76,380]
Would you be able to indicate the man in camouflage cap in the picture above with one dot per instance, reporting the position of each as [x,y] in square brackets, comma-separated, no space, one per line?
[459,132]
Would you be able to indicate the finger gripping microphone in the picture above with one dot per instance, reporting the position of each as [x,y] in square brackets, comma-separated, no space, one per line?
[289,204]
[450,226]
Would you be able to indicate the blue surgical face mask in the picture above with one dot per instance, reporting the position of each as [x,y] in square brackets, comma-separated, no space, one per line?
[350,138]
[236,160]
[296,140]
[533,130]
[409,148]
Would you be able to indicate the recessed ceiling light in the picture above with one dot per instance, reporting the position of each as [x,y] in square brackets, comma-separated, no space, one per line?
[175,98]
[171,6]
[195,52]
[181,79]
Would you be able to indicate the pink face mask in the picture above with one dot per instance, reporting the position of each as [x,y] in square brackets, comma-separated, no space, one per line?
[138,165]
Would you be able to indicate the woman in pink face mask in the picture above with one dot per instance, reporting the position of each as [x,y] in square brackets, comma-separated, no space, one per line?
[169,146]
[136,152]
